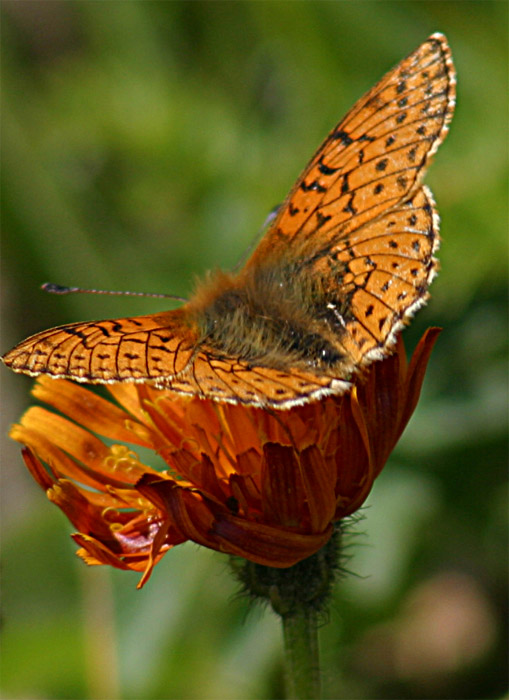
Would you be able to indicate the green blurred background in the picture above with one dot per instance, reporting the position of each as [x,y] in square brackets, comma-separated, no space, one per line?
[144,142]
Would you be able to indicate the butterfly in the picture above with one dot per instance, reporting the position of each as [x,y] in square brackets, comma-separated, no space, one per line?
[343,266]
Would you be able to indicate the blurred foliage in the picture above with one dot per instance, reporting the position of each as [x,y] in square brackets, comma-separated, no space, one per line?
[144,142]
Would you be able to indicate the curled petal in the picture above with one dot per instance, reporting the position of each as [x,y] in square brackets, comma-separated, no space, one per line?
[263,544]
[416,372]
[186,510]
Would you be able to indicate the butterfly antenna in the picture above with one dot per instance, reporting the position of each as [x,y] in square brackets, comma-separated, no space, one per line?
[268,220]
[59,289]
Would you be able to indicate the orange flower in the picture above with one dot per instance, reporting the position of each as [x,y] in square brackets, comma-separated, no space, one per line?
[264,485]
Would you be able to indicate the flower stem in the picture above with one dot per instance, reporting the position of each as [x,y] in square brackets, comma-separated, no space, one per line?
[300,596]
[300,633]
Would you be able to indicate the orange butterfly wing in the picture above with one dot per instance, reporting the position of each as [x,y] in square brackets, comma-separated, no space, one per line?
[388,267]
[236,381]
[143,348]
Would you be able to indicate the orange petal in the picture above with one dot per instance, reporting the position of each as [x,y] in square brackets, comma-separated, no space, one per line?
[59,462]
[64,466]
[240,426]
[128,396]
[87,408]
[70,437]
[167,434]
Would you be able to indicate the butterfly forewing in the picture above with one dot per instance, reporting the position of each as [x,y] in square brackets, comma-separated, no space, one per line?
[374,158]
[137,348]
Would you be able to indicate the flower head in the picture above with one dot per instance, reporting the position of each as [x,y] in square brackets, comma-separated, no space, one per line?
[264,485]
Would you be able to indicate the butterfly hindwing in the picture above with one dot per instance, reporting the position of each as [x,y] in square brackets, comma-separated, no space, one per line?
[385,271]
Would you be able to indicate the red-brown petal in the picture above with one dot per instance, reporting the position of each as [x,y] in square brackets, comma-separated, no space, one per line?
[282,495]
[186,509]
[83,515]
[416,372]
[94,552]
[352,457]
[263,544]
[208,481]
[319,479]
[36,469]
[246,491]
[381,399]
